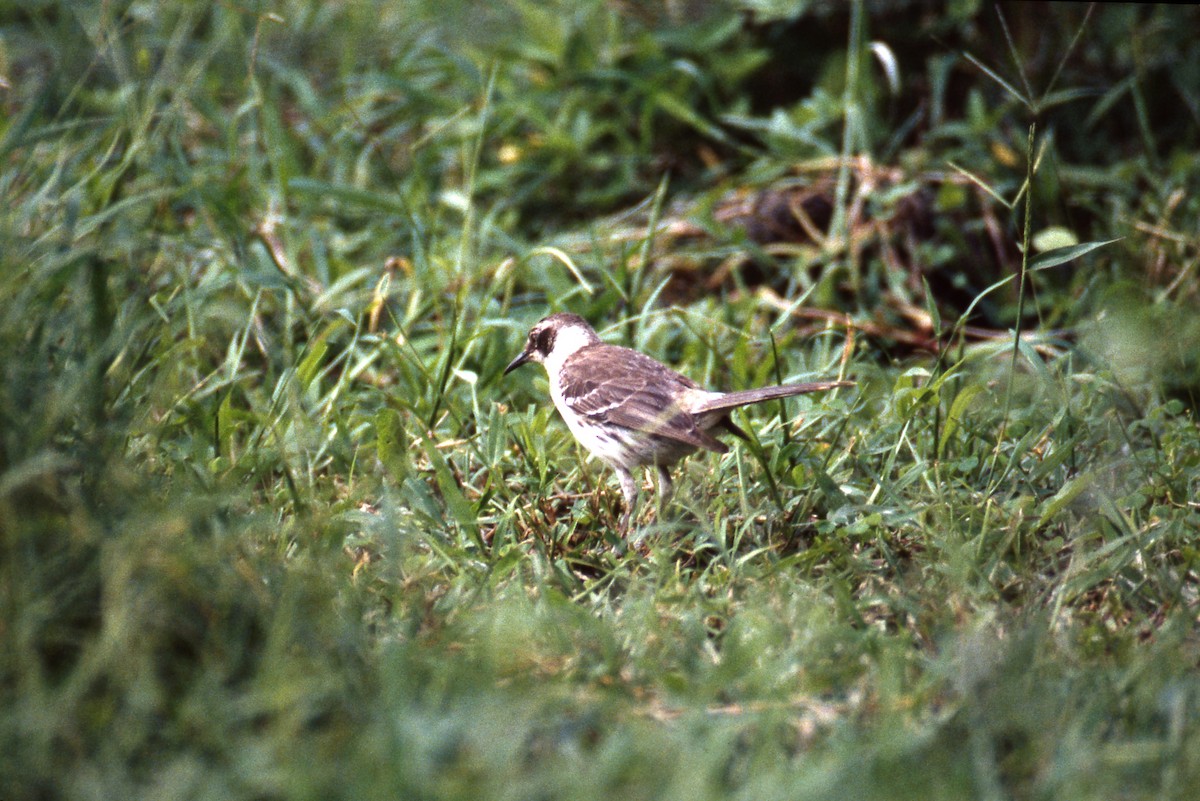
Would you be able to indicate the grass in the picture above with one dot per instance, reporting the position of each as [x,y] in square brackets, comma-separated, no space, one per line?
[273,525]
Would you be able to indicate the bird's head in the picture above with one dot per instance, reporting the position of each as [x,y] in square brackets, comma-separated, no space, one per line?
[555,338]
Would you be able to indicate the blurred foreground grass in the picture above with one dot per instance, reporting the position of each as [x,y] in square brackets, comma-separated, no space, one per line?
[272,527]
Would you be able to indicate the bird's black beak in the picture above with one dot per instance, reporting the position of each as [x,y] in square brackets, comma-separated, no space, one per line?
[517,362]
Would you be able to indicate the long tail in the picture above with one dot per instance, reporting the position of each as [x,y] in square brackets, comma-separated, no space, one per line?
[732,400]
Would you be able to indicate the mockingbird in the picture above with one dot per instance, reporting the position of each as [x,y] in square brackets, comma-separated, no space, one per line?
[628,409]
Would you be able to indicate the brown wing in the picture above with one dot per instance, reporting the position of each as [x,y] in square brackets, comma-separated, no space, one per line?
[621,386]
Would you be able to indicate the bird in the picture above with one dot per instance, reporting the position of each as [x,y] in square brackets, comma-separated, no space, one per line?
[628,409]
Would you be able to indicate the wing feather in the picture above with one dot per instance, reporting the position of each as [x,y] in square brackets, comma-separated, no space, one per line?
[626,388]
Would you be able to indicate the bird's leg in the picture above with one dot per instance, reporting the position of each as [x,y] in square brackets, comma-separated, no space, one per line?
[629,488]
[664,489]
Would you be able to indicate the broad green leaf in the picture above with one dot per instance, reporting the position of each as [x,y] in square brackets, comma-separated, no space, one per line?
[391,442]
[1057,256]
[225,425]
[461,510]
[957,409]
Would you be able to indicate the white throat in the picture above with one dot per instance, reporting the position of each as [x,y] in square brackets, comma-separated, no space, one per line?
[567,341]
